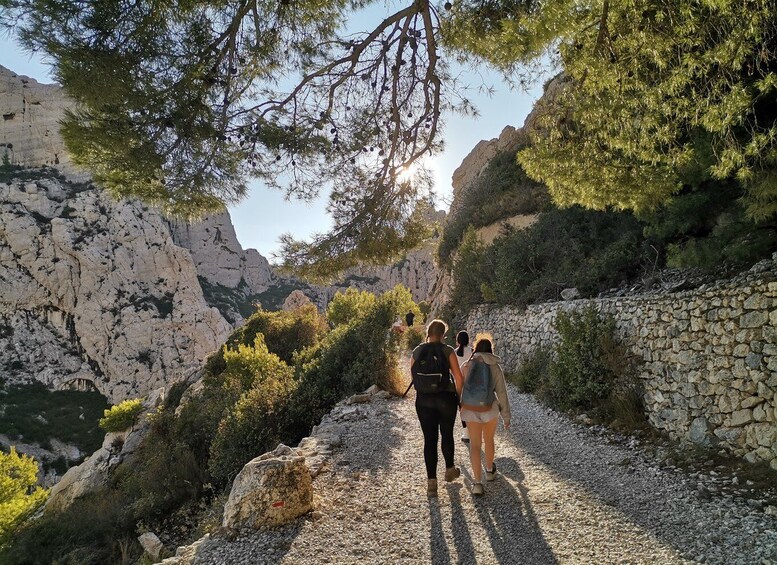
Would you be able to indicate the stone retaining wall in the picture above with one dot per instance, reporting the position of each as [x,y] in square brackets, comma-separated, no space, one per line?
[709,355]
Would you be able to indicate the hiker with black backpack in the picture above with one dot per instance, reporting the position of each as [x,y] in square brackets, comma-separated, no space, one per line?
[437,400]
[483,399]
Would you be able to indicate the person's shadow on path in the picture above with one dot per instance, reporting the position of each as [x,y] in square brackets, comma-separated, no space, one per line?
[507,517]
[437,543]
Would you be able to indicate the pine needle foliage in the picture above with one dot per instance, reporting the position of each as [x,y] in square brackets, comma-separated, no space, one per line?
[20,496]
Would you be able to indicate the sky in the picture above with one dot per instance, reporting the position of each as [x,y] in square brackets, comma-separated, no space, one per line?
[265,214]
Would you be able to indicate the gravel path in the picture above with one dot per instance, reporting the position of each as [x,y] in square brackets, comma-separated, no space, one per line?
[566,494]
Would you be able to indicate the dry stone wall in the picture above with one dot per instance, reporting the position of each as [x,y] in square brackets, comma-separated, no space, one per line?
[708,356]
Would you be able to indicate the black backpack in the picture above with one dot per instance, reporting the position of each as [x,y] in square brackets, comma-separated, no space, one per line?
[431,371]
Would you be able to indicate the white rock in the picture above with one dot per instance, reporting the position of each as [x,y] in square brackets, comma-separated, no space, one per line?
[296,300]
[29,128]
[270,490]
[114,304]
[151,544]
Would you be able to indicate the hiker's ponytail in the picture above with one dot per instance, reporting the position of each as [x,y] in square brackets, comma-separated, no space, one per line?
[462,339]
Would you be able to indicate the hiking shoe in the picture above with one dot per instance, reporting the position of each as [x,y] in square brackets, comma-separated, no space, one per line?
[431,487]
[452,473]
[477,489]
[491,475]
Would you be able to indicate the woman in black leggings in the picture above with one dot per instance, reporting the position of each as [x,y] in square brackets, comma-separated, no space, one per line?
[437,410]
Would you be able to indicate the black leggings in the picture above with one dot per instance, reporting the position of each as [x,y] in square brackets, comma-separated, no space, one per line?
[437,414]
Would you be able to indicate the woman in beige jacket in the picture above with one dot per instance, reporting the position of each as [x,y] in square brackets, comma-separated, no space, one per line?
[482,420]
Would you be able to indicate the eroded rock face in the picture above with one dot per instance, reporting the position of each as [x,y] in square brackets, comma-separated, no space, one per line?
[270,490]
[294,301]
[417,271]
[29,116]
[219,257]
[95,291]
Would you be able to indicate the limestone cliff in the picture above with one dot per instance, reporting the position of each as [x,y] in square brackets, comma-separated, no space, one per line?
[30,121]
[96,291]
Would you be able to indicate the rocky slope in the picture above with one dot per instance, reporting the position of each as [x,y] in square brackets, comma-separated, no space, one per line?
[96,292]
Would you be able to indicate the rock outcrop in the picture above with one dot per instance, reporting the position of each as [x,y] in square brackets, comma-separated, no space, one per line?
[221,262]
[270,490]
[477,160]
[95,471]
[417,271]
[31,112]
[95,291]
[294,301]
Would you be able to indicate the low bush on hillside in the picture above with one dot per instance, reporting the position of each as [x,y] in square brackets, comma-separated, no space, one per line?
[587,360]
[573,247]
[256,421]
[19,494]
[32,413]
[348,360]
[533,371]
[348,306]
[414,336]
[251,399]
[284,333]
[121,416]
[588,370]
[96,529]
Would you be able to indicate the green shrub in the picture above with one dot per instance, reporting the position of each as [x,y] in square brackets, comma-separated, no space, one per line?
[121,416]
[470,271]
[348,306]
[585,367]
[425,308]
[414,336]
[533,372]
[285,333]
[96,529]
[255,424]
[587,370]
[19,494]
[348,360]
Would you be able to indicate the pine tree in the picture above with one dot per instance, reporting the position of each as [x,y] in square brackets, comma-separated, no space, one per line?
[19,495]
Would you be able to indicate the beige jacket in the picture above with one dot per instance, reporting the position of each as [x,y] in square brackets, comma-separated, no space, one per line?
[500,385]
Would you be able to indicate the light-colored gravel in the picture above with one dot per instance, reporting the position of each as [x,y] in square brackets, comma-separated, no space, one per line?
[566,494]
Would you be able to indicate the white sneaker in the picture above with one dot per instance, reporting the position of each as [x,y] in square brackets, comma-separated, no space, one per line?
[477,489]
[465,435]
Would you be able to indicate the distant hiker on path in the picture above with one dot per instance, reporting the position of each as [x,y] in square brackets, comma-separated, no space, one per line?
[409,317]
[463,353]
[483,399]
[437,400]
